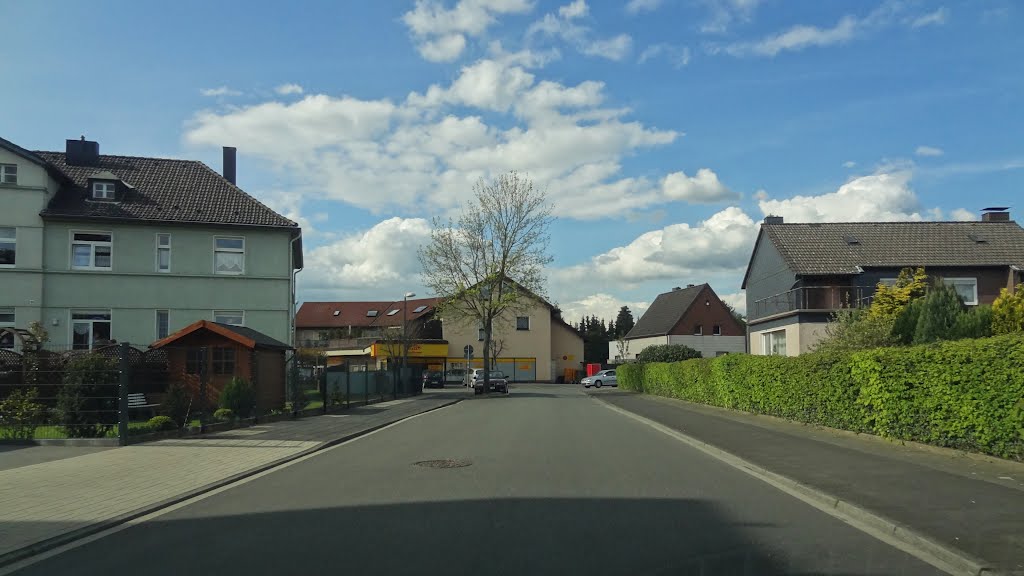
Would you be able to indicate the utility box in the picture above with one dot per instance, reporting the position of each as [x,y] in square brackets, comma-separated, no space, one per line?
[593,369]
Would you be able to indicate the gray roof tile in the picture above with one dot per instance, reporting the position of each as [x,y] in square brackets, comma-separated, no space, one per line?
[818,249]
[665,312]
[161,189]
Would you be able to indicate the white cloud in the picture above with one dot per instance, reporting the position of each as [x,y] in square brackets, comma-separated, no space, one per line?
[703,188]
[579,36]
[928,151]
[936,18]
[219,91]
[380,260]
[441,32]
[638,6]
[738,300]
[963,214]
[849,164]
[601,305]
[678,56]
[396,158]
[873,198]
[723,13]
[286,89]
[577,9]
[722,243]
[797,38]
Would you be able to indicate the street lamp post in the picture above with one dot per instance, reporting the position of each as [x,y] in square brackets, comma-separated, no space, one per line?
[405,338]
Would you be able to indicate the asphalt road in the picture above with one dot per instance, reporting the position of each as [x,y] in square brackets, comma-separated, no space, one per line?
[557,484]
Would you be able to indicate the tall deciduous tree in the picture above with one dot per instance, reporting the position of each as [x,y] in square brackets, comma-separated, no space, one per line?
[491,259]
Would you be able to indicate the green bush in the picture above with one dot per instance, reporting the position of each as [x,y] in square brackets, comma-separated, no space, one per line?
[87,401]
[905,325]
[20,414]
[939,312]
[966,394]
[162,423]
[1008,312]
[224,415]
[667,353]
[976,322]
[238,396]
[176,402]
[857,329]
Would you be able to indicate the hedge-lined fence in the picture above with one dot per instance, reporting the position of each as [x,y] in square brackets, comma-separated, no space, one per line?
[966,394]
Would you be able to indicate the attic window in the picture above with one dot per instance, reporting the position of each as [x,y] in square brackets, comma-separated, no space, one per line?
[850,240]
[393,312]
[977,239]
[419,309]
[103,190]
[336,312]
[371,313]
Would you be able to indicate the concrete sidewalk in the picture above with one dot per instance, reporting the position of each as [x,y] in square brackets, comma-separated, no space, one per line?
[44,505]
[967,502]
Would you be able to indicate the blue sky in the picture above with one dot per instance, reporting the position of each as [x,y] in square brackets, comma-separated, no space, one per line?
[663,131]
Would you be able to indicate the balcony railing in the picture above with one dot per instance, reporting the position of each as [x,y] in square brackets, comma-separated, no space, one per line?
[813,298]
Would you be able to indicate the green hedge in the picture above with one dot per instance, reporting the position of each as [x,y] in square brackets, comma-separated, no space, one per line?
[966,394]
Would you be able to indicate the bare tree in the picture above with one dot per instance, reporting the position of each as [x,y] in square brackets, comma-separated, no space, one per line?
[623,346]
[491,260]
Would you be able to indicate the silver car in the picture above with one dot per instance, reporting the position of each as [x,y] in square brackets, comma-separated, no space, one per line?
[602,378]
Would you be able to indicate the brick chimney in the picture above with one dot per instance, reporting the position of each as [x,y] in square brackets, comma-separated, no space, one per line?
[995,214]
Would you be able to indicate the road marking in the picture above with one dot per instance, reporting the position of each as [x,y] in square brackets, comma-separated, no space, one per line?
[902,538]
[11,568]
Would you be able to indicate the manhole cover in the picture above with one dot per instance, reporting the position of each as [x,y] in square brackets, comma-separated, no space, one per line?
[446,463]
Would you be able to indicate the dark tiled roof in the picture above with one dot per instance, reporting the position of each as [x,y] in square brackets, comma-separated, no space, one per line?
[321,314]
[261,339]
[816,249]
[160,189]
[665,312]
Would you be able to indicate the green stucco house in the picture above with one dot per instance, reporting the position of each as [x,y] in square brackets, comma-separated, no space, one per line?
[131,249]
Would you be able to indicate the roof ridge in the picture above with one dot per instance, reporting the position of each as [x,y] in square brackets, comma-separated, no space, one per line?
[163,158]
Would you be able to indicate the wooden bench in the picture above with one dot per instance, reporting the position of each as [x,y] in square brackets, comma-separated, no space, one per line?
[137,401]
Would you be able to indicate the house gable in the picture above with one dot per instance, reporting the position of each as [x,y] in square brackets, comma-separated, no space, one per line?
[768,273]
[707,310]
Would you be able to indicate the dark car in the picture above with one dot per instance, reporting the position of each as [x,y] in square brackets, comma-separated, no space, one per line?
[497,380]
[433,379]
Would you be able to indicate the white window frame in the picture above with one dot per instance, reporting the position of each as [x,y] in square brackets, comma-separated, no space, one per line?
[766,342]
[7,170]
[9,324]
[974,286]
[91,322]
[698,330]
[239,313]
[528,324]
[157,323]
[161,247]
[10,240]
[228,250]
[104,190]
[92,249]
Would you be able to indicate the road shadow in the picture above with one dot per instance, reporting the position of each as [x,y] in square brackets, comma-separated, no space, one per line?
[534,536]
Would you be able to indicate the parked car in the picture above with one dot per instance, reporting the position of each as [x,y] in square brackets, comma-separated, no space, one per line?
[456,376]
[433,379]
[497,379]
[472,375]
[602,378]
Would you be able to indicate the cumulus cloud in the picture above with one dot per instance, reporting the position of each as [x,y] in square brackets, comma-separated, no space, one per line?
[287,89]
[677,56]
[601,305]
[884,196]
[738,300]
[382,259]
[704,187]
[963,214]
[723,13]
[638,6]
[219,91]
[928,151]
[721,243]
[428,150]
[441,32]
[564,26]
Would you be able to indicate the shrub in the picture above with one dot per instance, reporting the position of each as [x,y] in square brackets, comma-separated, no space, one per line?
[176,402]
[87,401]
[667,353]
[238,396]
[939,312]
[889,301]
[905,325]
[224,415]
[1008,312]
[20,414]
[162,423]
[852,330]
[976,322]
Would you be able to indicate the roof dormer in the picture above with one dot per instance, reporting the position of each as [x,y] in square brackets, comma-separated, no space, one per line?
[105,187]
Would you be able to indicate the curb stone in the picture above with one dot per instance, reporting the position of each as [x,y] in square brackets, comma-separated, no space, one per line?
[79,533]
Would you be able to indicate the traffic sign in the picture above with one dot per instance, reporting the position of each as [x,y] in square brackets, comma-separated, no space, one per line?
[468,350]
